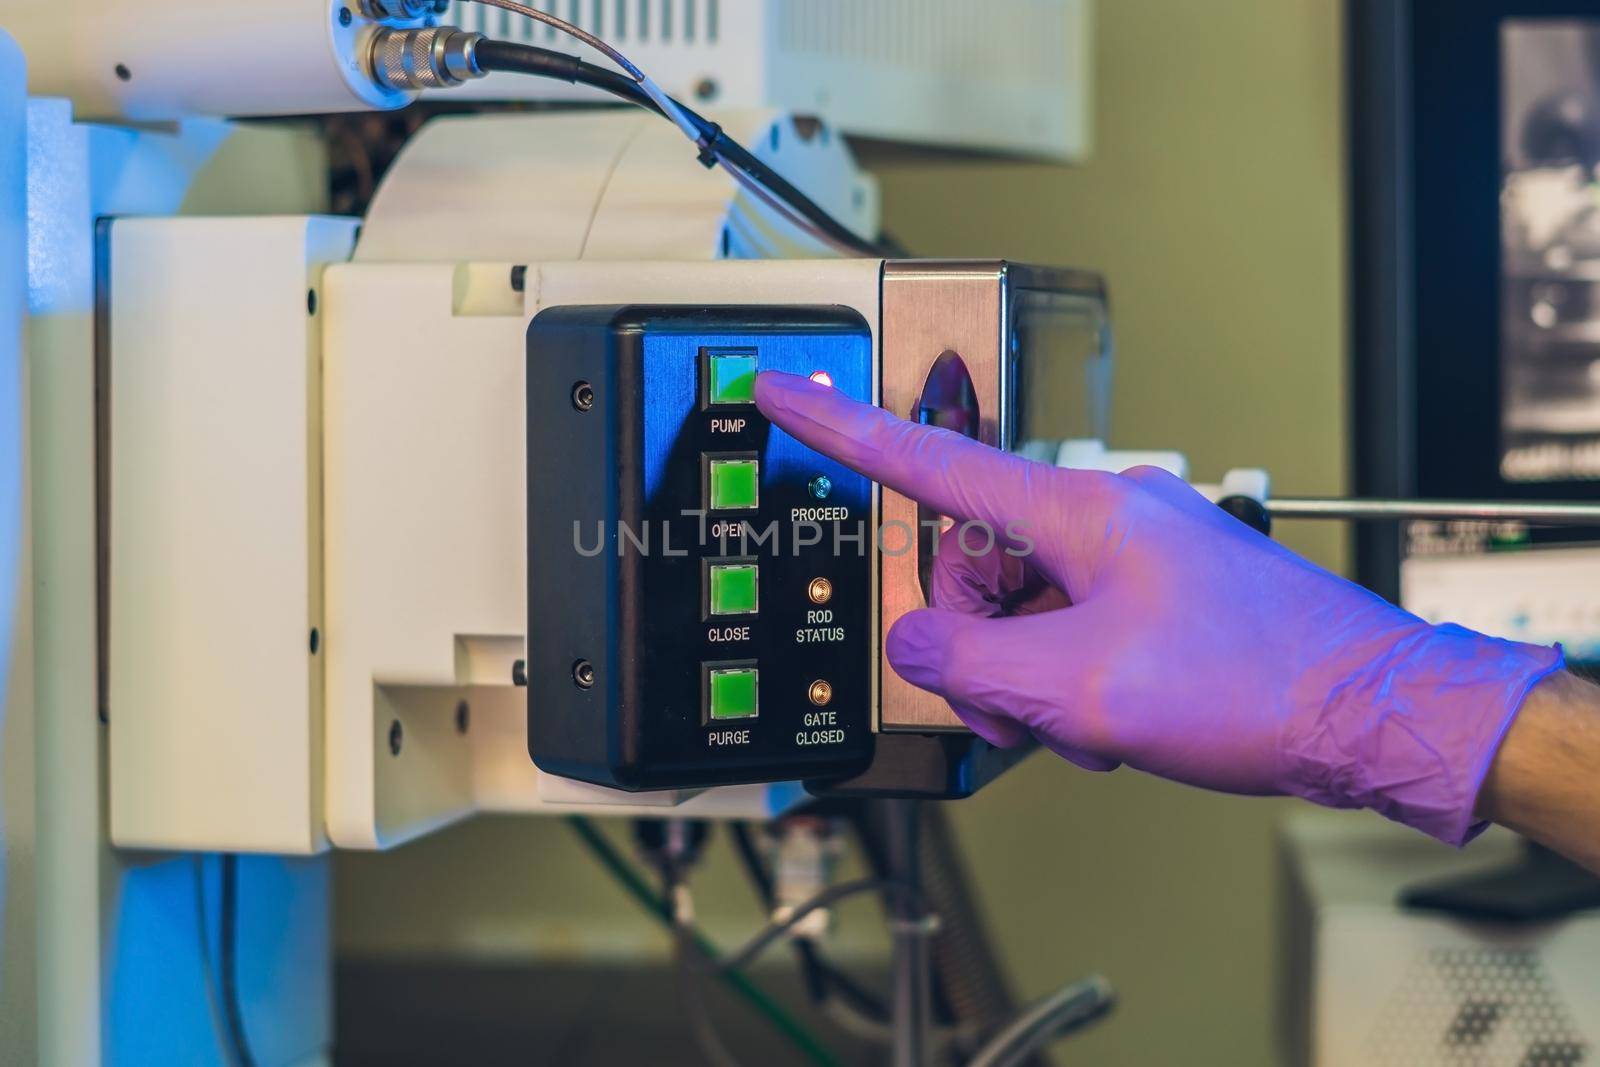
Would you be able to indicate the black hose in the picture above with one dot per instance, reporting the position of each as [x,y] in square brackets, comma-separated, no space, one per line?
[548,63]
[755,869]
[774,931]
[631,881]
[823,980]
[507,57]
[1066,1012]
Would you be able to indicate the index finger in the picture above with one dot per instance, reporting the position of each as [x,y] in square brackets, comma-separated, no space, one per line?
[954,475]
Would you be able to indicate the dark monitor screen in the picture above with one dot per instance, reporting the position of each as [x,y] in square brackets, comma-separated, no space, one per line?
[1475,274]
[1550,250]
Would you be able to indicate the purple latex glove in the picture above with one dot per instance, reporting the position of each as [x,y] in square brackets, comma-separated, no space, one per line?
[1126,619]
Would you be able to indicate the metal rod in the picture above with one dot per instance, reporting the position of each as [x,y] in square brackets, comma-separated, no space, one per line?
[1535,514]
[912,1003]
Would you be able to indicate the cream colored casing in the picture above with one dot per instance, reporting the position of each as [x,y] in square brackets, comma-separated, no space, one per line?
[426,522]
[212,425]
[168,60]
[886,69]
[229,730]
[426,518]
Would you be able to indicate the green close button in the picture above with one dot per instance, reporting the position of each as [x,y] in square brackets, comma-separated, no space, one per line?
[733,378]
[735,484]
[733,693]
[735,588]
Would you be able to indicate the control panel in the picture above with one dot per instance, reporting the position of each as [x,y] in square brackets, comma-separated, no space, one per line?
[701,596]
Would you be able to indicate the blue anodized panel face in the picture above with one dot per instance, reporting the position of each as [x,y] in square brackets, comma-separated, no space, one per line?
[808,528]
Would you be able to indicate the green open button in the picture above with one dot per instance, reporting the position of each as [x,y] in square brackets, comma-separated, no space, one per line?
[732,693]
[734,485]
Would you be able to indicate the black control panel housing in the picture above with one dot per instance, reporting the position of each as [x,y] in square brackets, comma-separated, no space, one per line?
[700,585]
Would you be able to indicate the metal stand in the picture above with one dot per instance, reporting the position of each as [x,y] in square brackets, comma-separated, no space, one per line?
[912,1003]
[1553,513]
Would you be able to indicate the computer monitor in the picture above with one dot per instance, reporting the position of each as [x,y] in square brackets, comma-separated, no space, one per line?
[1475,152]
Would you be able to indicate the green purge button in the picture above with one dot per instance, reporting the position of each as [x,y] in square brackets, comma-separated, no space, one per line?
[735,485]
[733,693]
[732,378]
[735,588]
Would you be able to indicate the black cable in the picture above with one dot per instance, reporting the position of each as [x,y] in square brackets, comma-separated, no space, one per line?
[763,940]
[823,979]
[233,1012]
[507,57]
[208,968]
[1064,1012]
[720,144]
[630,880]
[755,869]
[744,847]
[691,966]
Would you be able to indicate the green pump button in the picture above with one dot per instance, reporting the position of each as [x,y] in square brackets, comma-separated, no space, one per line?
[732,378]
[735,485]
[732,693]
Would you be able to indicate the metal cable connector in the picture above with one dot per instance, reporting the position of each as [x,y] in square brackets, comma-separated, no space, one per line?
[434,58]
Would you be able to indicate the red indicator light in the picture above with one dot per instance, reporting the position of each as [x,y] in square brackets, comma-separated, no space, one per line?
[822,377]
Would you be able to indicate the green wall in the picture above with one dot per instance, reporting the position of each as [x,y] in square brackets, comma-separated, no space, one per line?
[1215,205]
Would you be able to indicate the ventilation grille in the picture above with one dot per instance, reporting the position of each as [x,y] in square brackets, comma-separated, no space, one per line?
[997,75]
[1478,1008]
[620,22]
[992,42]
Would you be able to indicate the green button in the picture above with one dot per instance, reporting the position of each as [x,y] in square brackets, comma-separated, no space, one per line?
[733,694]
[733,378]
[735,588]
[735,484]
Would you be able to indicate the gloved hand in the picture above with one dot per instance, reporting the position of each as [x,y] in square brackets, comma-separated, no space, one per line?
[1126,619]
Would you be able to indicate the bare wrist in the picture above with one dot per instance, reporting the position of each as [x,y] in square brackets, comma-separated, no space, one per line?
[1545,779]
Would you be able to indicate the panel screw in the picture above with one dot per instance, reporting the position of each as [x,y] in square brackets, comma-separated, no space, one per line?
[345,18]
[316,640]
[463,717]
[519,674]
[821,487]
[821,694]
[583,396]
[311,301]
[707,89]
[123,73]
[583,674]
[397,737]
[820,591]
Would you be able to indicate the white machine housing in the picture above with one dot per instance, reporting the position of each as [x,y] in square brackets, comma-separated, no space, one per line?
[322,547]
[164,60]
[102,751]
[325,542]
[998,75]
[1369,984]
[1009,76]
